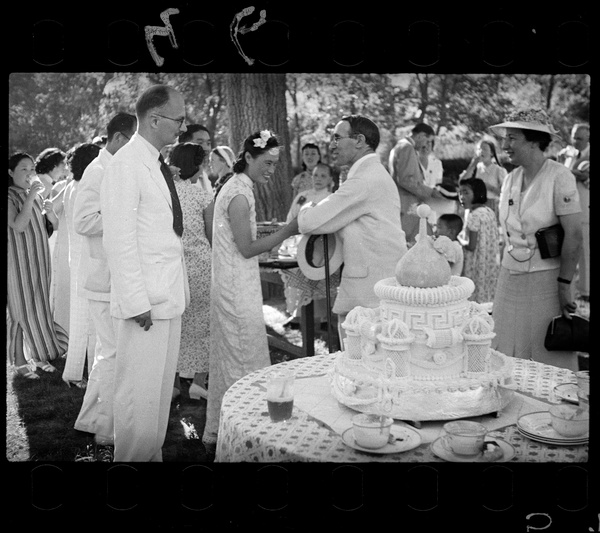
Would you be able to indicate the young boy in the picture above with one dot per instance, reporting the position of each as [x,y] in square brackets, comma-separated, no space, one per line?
[450,225]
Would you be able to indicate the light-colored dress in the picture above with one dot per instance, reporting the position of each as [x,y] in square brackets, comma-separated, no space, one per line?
[526,298]
[60,282]
[195,324]
[293,295]
[82,334]
[301,182]
[238,339]
[493,176]
[28,288]
[482,264]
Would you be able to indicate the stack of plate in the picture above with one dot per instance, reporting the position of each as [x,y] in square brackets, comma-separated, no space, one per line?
[538,426]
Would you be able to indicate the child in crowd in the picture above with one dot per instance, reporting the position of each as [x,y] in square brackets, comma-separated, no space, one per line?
[238,338]
[322,184]
[322,181]
[480,240]
[450,225]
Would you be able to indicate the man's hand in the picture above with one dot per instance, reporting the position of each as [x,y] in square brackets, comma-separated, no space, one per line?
[144,320]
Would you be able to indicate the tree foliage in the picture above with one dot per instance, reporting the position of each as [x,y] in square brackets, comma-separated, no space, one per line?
[62,109]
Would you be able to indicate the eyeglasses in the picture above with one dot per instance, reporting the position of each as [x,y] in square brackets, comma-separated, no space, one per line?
[337,138]
[125,135]
[179,121]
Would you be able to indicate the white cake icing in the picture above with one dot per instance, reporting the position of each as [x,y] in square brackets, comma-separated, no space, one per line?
[424,353]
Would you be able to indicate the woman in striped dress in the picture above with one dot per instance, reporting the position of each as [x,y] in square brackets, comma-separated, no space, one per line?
[30,326]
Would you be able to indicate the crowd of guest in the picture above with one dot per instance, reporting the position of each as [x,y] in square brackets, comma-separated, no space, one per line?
[153,276]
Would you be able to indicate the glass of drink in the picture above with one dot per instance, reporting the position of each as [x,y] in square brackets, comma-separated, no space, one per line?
[280,394]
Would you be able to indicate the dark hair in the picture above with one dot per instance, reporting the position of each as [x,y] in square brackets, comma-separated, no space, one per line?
[541,137]
[492,149]
[152,98]
[254,151]
[421,127]
[48,160]
[188,134]
[365,126]
[478,187]
[455,223]
[122,123]
[187,157]
[80,156]
[314,146]
[13,161]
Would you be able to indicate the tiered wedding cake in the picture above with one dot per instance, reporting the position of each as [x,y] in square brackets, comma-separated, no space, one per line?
[424,353]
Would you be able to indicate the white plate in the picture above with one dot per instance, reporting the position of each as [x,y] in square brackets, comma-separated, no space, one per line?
[567,391]
[406,439]
[551,442]
[563,440]
[438,449]
[538,426]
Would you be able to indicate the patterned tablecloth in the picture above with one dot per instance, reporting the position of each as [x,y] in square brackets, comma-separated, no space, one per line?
[246,432]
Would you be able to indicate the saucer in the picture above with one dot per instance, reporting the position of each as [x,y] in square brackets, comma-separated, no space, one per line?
[406,439]
[538,426]
[567,391]
[508,452]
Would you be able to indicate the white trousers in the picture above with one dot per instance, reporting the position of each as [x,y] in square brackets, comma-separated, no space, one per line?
[96,414]
[145,368]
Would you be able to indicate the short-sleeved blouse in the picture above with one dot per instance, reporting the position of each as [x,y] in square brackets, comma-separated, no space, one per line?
[552,193]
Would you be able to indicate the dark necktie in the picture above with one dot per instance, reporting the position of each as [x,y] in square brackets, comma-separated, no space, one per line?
[177,214]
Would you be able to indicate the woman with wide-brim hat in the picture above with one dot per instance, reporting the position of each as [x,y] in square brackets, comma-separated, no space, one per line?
[538,193]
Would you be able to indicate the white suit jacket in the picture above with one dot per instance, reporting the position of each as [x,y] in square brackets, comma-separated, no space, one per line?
[145,255]
[94,276]
[365,213]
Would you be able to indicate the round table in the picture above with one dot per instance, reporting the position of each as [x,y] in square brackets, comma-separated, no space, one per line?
[313,434]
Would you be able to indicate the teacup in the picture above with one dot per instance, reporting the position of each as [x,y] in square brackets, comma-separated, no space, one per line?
[570,420]
[371,431]
[464,437]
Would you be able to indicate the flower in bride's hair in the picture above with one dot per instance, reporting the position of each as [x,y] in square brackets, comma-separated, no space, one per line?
[261,141]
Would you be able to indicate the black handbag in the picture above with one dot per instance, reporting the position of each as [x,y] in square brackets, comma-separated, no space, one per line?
[568,335]
[550,240]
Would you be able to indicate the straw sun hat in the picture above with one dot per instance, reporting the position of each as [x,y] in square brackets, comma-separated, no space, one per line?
[530,119]
[311,255]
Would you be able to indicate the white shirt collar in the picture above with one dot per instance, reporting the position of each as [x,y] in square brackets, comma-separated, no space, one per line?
[359,162]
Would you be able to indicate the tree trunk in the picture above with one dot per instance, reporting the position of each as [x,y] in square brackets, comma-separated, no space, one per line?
[256,101]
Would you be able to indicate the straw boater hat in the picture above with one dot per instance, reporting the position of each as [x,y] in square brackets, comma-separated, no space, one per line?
[311,256]
[531,119]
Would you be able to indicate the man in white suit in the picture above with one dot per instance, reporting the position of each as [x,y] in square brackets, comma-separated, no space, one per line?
[149,292]
[96,413]
[365,213]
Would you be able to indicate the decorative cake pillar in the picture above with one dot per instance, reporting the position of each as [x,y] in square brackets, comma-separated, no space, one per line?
[395,340]
[478,333]
[352,328]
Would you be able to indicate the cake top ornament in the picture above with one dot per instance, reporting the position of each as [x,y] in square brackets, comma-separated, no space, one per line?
[423,266]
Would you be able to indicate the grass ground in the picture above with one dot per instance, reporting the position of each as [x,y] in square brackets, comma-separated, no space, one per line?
[40,413]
